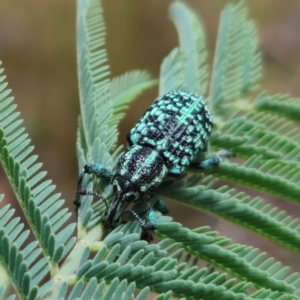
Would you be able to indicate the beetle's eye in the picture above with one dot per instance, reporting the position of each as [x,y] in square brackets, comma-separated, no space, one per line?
[130,197]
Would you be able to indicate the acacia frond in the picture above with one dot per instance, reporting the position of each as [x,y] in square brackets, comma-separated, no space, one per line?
[237,62]
[247,138]
[192,43]
[271,148]
[42,208]
[259,133]
[282,105]
[275,177]
[123,256]
[240,261]
[250,213]
[172,72]
[19,260]
[95,290]
[125,88]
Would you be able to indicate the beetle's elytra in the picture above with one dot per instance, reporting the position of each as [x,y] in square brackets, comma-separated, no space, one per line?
[174,129]
[177,126]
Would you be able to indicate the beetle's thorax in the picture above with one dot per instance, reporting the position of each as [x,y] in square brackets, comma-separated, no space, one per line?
[143,167]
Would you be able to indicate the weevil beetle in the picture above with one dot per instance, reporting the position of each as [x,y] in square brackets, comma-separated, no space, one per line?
[174,129]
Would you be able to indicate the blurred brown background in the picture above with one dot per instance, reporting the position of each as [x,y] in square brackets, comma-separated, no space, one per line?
[37,47]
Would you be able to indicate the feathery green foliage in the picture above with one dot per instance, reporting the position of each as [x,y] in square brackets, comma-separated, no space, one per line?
[118,265]
[192,44]
[237,65]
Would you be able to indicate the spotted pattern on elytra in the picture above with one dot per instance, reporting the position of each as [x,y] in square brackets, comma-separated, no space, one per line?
[177,126]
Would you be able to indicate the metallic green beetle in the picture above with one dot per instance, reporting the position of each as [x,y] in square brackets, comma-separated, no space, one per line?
[174,129]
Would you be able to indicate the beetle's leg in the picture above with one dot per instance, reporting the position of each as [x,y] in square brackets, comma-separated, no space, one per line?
[225,154]
[151,223]
[214,161]
[150,216]
[91,193]
[98,171]
[161,206]
[156,202]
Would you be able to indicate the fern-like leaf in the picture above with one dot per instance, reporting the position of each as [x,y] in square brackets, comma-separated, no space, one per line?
[34,194]
[250,213]
[282,105]
[172,72]
[192,43]
[240,261]
[19,260]
[125,89]
[237,65]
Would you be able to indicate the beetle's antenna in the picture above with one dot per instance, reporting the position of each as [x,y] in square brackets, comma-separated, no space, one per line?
[91,193]
[76,200]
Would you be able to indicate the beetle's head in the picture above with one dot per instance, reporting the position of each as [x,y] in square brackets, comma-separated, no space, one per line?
[124,193]
[125,190]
